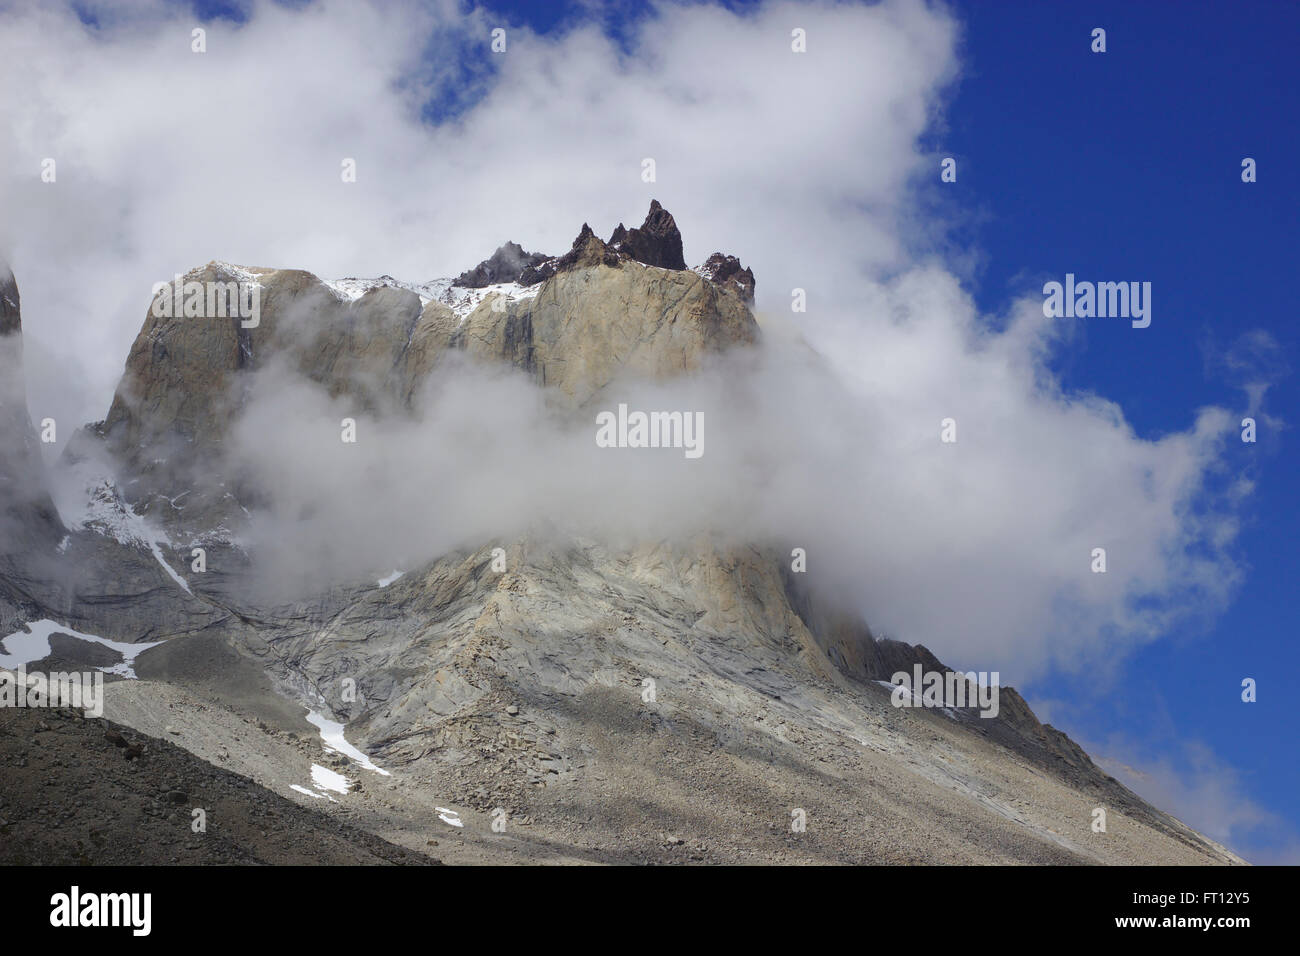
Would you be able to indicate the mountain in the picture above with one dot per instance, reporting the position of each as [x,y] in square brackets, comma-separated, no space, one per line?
[549,697]
[29,523]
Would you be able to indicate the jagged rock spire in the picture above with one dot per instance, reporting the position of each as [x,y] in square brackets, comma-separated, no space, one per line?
[727,271]
[657,242]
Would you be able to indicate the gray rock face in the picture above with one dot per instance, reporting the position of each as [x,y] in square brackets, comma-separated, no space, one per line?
[88,578]
[577,669]
[592,322]
[587,250]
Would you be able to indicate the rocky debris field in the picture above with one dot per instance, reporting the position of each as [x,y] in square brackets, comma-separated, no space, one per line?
[87,791]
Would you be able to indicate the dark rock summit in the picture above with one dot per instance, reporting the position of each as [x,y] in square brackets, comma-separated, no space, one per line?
[656,243]
[508,264]
[587,250]
[539,272]
[726,271]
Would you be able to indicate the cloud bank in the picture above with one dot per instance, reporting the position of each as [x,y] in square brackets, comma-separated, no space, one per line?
[804,165]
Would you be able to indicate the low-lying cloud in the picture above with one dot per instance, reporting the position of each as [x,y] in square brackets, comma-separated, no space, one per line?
[982,548]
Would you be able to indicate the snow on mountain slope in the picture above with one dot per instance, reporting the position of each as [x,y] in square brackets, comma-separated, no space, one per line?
[101,509]
[459,299]
[24,647]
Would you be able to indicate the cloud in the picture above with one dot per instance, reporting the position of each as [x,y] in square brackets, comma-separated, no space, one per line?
[1204,792]
[168,158]
[804,165]
[1254,362]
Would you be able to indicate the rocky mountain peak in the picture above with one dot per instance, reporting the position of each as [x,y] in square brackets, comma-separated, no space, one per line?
[657,242]
[587,250]
[727,271]
[508,264]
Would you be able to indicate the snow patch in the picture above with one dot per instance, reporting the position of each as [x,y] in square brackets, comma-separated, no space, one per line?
[323,778]
[158,556]
[238,273]
[393,576]
[449,817]
[24,647]
[331,734]
[461,300]
[312,793]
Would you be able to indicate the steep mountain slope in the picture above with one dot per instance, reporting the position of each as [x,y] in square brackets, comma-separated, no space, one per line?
[670,699]
[82,792]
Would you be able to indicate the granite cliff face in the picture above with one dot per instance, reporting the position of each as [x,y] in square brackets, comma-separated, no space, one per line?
[601,313]
[618,703]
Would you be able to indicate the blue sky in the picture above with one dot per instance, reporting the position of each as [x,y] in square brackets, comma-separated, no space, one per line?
[1126,165]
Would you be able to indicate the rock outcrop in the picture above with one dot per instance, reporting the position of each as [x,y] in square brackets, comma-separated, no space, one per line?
[657,242]
[727,271]
[510,263]
[587,250]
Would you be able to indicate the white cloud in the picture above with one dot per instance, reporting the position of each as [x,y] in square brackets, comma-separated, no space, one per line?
[168,158]
[1207,794]
[801,164]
